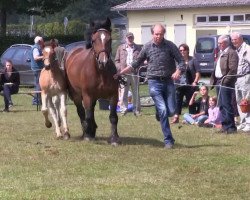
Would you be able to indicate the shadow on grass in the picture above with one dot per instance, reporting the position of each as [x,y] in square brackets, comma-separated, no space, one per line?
[124,141]
[180,146]
[146,141]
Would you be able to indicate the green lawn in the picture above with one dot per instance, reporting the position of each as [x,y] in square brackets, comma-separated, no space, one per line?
[203,165]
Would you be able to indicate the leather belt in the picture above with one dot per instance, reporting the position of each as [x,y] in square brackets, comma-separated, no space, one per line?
[159,78]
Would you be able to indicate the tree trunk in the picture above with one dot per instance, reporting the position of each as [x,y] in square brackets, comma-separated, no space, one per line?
[3,18]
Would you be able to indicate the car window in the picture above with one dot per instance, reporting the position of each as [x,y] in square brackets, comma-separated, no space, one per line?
[18,56]
[205,45]
[8,54]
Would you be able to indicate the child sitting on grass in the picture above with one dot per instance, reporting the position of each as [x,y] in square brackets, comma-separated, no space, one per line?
[200,106]
[214,114]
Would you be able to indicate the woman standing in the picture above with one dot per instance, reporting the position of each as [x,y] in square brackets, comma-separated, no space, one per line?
[9,83]
[186,85]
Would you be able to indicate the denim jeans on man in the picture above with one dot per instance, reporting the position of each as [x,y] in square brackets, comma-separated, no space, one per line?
[37,98]
[163,94]
[226,108]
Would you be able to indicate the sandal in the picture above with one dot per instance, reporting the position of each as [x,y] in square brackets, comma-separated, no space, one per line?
[175,120]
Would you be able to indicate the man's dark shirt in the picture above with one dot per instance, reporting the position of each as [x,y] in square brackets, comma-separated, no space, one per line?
[161,59]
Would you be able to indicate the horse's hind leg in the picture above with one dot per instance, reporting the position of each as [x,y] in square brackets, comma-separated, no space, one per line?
[81,113]
[45,110]
[63,115]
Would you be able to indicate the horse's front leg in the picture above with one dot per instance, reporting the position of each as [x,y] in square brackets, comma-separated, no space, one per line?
[54,115]
[63,115]
[90,124]
[114,137]
[45,111]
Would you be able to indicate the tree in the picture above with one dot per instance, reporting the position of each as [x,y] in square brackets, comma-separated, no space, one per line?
[29,7]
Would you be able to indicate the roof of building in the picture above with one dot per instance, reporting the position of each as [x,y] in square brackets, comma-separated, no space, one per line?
[173,4]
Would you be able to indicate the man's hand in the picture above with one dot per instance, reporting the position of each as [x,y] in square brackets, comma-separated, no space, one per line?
[176,75]
[127,69]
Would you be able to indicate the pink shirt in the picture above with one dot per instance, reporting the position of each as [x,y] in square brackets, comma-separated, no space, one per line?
[214,115]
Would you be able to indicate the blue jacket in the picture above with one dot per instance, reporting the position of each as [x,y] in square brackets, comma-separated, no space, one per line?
[36,65]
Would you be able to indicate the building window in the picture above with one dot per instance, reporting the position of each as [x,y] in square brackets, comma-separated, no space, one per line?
[247,17]
[225,18]
[218,19]
[201,19]
[238,18]
[213,18]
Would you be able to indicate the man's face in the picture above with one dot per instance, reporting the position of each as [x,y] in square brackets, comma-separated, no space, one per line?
[130,40]
[222,44]
[236,40]
[158,34]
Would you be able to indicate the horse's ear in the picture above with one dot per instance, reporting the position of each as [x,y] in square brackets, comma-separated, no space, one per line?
[92,24]
[108,22]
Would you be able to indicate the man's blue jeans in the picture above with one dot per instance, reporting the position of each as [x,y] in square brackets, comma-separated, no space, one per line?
[163,94]
[37,98]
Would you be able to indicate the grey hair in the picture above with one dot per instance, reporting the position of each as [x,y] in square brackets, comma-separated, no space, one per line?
[224,38]
[237,34]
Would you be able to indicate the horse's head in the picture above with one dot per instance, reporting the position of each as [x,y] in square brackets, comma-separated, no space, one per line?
[101,41]
[49,56]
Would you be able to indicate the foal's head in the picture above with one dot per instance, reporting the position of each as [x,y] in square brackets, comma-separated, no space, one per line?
[49,56]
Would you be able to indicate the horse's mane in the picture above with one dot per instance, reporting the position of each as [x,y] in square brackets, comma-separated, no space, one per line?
[94,27]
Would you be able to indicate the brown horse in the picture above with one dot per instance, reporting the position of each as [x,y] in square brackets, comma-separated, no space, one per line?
[90,77]
[54,92]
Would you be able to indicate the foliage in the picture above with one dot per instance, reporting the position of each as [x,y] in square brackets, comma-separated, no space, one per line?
[29,7]
[33,165]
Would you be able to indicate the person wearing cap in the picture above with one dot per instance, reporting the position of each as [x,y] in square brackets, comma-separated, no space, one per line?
[37,65]
[125,55]
[161,56]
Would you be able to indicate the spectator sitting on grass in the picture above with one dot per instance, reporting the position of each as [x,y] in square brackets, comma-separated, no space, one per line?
[200,106]
[214,114]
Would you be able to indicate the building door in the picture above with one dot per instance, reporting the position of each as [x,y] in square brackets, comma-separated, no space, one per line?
[146,35]
[179,34]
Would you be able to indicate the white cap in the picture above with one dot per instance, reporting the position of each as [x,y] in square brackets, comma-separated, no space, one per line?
[37,39]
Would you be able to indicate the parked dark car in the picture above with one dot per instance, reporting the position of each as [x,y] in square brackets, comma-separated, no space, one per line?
[19,54]
[73,45]
[206,52]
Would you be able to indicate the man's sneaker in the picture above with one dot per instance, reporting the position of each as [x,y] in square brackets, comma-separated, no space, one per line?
[137,113]
[169,146]
[11,105]
[246,129]
[241,126]
[123,113]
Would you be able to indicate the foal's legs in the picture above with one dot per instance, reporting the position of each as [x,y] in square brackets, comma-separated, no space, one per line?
[53,113]
[45,110]
[63,115]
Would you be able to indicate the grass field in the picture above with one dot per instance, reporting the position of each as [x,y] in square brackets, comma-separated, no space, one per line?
[203,165]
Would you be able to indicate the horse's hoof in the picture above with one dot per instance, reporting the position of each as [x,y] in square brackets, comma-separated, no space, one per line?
[59,137]
[66,136]
[48,124]
[88,139]
[114,144]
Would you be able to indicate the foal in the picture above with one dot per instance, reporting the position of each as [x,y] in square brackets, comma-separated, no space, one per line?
[54,93]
